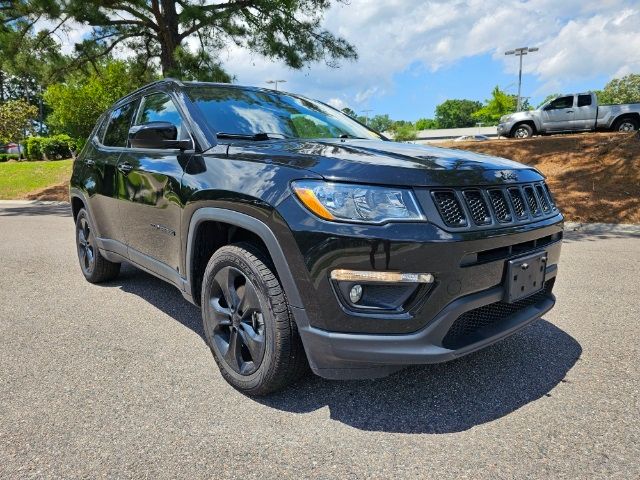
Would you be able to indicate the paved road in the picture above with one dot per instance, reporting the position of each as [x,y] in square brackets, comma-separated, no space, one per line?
[116,381]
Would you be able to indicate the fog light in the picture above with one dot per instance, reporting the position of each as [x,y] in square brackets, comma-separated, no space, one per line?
[355,294]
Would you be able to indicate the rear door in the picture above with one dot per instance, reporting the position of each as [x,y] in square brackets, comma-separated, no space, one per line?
[559,114]
[102,185]
[151,200]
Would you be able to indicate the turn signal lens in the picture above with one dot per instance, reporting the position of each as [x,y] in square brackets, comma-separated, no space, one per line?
[310,200]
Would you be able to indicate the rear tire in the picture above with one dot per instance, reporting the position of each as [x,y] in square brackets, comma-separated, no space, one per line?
[248,323]
[94,266]
[522,131]
[628,124]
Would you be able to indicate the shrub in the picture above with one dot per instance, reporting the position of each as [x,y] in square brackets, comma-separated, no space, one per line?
[9,156]
[55,147]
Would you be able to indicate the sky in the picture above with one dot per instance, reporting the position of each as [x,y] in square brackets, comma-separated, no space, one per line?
[415,54]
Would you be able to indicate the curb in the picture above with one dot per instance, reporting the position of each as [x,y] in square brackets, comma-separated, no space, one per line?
[602,228]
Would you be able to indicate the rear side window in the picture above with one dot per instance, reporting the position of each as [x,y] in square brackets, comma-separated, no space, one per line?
[584,100]
[119,124]
[561,102]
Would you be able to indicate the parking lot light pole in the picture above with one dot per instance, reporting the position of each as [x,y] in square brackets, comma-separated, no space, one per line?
[520,52]
[276,82]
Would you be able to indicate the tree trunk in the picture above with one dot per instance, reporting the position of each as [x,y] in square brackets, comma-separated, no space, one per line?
[169,37]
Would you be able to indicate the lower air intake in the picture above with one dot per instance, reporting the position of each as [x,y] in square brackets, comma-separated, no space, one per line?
[468,327]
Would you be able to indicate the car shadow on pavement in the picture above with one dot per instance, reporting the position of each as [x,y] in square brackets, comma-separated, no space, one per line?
[441,398]
[30,210]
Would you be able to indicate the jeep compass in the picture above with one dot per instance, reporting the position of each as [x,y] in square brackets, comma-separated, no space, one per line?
[309,240]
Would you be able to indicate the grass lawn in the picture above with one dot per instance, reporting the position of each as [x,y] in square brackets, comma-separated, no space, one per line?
[19,178]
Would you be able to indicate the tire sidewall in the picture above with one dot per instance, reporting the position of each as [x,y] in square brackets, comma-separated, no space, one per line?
[225,258]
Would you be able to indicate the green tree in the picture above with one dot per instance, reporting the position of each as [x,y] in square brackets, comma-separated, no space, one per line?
[77,104]
[457,113]
[16,117]
[380,123]
[289,31]
[349,111]
[498,105]
[404,131]
[621,90]
[426,124]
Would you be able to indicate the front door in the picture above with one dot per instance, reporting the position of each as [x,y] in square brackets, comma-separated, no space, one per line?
[559,114]
[151,200]
[102,185]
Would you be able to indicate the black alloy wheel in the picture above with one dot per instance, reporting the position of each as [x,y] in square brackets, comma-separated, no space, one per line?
[238,322]
[248,323]
[94,266]
[86,246]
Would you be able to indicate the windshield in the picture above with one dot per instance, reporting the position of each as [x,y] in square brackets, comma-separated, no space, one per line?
[244,112]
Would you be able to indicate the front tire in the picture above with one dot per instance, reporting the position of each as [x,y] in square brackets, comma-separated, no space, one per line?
[94,266]
[626,125]
[248,324]
[522,131]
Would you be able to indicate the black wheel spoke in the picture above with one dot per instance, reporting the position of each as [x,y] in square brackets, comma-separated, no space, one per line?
[232,355]
[249,302]
[226,278]
[253,342]
[221,315]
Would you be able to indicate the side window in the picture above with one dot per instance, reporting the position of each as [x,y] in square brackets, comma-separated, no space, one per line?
[584,100]
[119,124]
[561,102]
[159,107]
[104,121]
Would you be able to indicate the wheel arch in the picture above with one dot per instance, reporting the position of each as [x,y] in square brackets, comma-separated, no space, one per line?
[623,116]
[240,227]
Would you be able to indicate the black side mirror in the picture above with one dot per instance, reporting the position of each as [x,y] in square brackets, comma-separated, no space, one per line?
[157,135]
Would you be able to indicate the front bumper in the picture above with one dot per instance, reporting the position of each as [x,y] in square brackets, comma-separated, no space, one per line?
[504,129]
[469,270]
[337,355]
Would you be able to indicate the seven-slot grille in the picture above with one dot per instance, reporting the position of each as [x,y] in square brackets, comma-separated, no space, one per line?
[494,205]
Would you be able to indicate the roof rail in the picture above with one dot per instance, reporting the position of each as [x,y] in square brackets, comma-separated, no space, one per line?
[149,85]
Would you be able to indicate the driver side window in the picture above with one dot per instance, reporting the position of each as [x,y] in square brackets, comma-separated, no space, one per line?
[158,107]
[561,102]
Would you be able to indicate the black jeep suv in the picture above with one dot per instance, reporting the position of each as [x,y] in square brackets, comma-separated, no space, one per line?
[308,239]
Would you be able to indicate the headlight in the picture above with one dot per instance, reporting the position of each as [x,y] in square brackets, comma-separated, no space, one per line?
[504,118]
[358,203]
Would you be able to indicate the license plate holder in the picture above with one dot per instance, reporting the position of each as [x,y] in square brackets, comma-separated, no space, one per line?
[525,276]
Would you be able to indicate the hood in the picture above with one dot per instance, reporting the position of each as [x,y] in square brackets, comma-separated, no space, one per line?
[388,163]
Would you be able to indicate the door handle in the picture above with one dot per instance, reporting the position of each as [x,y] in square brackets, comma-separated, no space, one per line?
[569,111]
[90,162]
[125,167]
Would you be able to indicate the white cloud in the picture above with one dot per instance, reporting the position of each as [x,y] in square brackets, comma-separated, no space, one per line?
[578,39]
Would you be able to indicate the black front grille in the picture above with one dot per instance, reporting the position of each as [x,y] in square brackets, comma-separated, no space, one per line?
[534,208]
[467,328]
[518,202]
[500,207]
[450,208]
[477,207]
[543,199]
[494,206]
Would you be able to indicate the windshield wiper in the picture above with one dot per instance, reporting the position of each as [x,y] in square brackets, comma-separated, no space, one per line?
[249,136]
[347,135]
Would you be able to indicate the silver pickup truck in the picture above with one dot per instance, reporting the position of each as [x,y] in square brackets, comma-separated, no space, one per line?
[578,112]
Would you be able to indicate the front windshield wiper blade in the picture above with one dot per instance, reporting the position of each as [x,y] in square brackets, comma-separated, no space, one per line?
[249,136]
[346,135]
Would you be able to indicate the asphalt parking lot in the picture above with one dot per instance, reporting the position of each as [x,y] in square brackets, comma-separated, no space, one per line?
[115,380]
